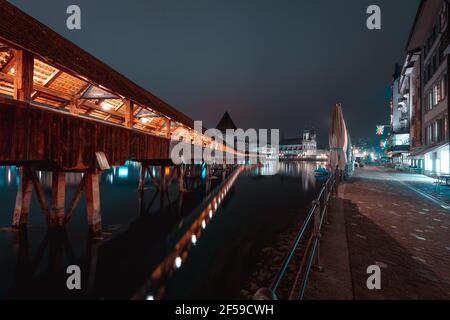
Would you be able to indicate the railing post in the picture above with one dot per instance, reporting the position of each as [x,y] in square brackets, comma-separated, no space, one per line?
[325,201]
[316,232]
[336,181]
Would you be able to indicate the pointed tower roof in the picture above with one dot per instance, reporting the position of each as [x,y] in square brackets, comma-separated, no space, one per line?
[226,123]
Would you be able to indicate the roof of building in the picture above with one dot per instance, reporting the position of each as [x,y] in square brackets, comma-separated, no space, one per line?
[24,32]
[290,142]
[226,123]
[424,20]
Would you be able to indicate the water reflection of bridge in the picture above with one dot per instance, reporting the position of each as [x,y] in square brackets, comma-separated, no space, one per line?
[161,242]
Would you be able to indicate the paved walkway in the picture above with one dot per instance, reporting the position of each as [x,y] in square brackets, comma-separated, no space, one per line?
[399,222]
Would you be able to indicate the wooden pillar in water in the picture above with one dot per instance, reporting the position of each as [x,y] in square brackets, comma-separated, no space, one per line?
[163,183]
[58,198]
[23,198]
[180,174]
[208,171]
[93,201]
[142,175]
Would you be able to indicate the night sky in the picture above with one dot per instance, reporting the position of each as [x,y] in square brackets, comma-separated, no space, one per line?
[271,64]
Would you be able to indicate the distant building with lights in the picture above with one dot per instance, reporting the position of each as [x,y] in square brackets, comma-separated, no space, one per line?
[300,148]
[309,143]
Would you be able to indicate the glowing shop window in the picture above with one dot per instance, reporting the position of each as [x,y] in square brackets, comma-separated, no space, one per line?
[445,155]
[428,162]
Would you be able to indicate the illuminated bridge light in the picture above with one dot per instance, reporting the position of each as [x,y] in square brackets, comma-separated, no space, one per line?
[123,172]
[178,262]
[210,213]
[194,239]
[203,224]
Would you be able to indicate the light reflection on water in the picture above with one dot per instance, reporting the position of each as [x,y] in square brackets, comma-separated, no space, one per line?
[160,252]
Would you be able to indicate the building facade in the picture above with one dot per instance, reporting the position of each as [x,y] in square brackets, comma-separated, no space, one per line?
[399,137]
[305,147]
[424,82]
[309,143]
[290,148]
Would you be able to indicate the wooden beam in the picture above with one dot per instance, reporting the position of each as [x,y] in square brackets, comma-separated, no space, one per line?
[9,64]
[143,173]
[53,92]
[47,82]
[52,78]
[168,132]
[74,106]
[23,199]
[93,202]
[58,198]
[23,77]
[76,198]
[129,113]
[41,196]
[6,77]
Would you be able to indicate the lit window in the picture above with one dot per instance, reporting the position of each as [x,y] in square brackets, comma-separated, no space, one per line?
[436,97]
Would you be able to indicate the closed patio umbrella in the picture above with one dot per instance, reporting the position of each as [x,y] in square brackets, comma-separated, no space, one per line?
[338,139]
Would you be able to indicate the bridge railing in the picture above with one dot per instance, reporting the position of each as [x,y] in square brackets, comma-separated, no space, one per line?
[309,236]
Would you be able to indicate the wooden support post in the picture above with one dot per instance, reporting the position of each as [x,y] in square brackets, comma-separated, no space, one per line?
[168,132]
[142,176]
[23,198]
[93,202]
[180,173]
[129,113]
[23,77]
[208,171]
[58,199]
[74,106]
[194,170]
[163,182]
[41,196]
[76,198]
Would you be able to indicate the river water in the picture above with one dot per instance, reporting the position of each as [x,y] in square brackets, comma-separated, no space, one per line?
[199,244]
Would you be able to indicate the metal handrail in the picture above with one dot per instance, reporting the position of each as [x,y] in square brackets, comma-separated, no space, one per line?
[317,213]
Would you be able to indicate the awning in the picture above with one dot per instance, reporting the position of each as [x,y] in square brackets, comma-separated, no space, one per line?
[424,150]
[398,149]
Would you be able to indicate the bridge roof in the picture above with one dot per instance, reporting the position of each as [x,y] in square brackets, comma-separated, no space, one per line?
[25,32]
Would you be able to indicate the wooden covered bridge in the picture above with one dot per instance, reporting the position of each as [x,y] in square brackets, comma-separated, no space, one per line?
[62,110]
